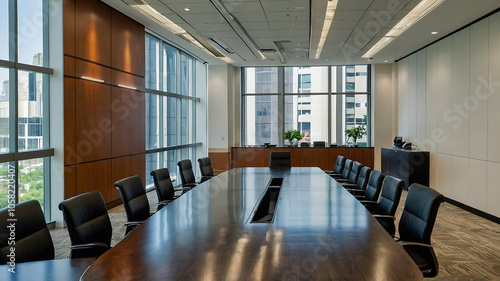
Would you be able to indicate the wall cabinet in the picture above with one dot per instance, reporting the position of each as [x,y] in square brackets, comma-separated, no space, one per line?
[409,165]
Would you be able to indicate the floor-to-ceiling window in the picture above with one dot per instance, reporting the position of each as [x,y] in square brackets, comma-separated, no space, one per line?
[321,101]
[174,88]
[24,94]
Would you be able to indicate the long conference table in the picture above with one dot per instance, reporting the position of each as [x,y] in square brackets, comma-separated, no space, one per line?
[319,232]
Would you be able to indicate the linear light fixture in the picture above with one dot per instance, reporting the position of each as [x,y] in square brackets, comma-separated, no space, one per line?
[282,54]
[238,28]
[127,87]
[420,11]
[92,79]
[330,13]
[196,39]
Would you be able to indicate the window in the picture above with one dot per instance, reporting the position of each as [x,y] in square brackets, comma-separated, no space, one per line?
[172,95]
[321,102]
[24,80]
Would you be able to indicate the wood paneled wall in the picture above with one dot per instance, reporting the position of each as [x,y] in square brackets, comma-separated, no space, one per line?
[104,123]
[301,157]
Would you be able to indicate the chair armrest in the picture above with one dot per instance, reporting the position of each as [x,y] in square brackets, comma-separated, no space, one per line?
[133,223]
[387,223]
[189,185]
[370,205]
[165,202]
[347,184]
[413,244]
[359,197]
[89,246]
[340,180]
[356,192]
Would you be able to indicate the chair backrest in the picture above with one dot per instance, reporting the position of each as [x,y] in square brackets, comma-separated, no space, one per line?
[419,214]
[135,200]
[319,144]
[356,169]
[33,241]
[280,159]
[304,144]
[163,184]
[374,185]
[339,165]
[347,169]
[87,219]
[363,178]
[391,194]
[206,167]
[186,171]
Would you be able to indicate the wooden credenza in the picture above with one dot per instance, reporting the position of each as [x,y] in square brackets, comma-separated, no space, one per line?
[409,165]
[322,157]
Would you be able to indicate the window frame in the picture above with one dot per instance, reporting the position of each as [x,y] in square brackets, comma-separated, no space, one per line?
[331,93]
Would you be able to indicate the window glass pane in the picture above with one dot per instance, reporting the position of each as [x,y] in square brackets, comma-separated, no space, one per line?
[152,63]
[4,110]
[6,169]
[261,80]
[152,163]
[30,31]
[308,114]
[355,78]
[152,121]
[170,57]
[187,122]
[170,121]
[261,119]
[30,109]
[31,180]
[187,75]
[170,161]
[4,31]
[356,116]
[306,79]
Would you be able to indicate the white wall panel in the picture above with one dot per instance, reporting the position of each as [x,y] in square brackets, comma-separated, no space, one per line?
[493,193]
[460,179]
[431,94]
[420,97]
[458,115]
[445,88]
[403,98]
[412,99]
[478,133]
[444,174]
[494,98]
[478,184]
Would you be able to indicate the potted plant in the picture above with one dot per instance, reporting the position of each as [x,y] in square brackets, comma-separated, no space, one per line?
[291,135]
[355,133]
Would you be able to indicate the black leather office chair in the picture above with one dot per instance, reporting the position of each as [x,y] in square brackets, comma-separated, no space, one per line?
[416,224]
[304,144]
[164,187]
[373,188]
[353,176]
[339,166]
[280,159]
[346,171]
[319,144]
[88,224]
[33,241]
[135,201]
[205,169]
[385,209]
[361,183]
[186,173]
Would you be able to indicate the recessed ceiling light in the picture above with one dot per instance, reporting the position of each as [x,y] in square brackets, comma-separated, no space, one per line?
[299,8]
[187,9]
[386,61]
[434,32]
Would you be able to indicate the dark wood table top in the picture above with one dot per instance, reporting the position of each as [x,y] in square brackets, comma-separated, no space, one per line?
[320,232]
[49,270]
